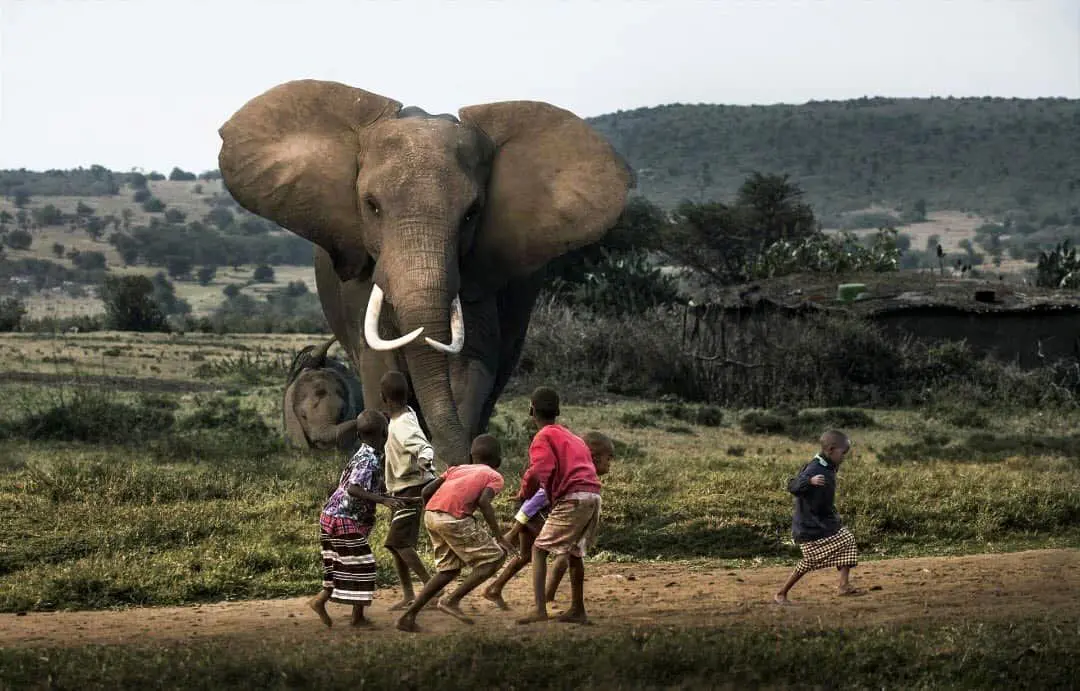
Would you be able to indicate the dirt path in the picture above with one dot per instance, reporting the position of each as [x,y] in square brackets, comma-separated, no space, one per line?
[939,590]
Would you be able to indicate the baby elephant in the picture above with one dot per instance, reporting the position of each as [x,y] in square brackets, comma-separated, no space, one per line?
[321,402]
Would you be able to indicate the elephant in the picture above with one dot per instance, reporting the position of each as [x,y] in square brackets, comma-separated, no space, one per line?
[437,226]
[321,401]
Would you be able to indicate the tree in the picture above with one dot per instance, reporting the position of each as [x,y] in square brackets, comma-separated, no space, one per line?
[174,215]
[178,266]
[181,175]
[153,205]
[129,304]
[263,274]
[95,228]
[723,242]
[58,250]
[138,181]
[19,239]
[21,196]
[206,274]
[89,261]
[12,311]
[231,291]
[82,209]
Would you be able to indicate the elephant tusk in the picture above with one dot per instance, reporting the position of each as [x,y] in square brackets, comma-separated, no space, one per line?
[371,325]
[457,330]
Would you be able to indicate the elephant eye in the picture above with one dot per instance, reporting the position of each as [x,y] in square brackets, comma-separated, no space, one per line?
[472,212]
[372,204]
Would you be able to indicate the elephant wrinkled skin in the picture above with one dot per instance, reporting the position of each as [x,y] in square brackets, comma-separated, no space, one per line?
[321,401]
[431,232]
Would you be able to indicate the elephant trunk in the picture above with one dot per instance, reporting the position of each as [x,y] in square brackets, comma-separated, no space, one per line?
[318,356]
[340,436]
[422,283]
[430,372]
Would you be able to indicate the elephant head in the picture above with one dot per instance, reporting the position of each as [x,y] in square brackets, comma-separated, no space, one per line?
[320,404]
[432,210]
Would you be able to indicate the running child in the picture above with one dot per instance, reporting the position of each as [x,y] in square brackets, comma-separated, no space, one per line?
[456,535]
[816,526]
[347,518]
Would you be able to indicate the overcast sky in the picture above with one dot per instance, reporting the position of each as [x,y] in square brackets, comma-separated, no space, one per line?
[146,83]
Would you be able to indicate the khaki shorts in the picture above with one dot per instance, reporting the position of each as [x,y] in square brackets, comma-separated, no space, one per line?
[572,525]
[460,542]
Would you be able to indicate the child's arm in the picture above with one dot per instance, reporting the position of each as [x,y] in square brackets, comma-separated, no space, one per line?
[391,502]
[532,506]
[541,466]
[430,489]
[484,504]
[805,480]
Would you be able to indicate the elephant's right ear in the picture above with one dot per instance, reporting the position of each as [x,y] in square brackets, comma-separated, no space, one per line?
[290,155]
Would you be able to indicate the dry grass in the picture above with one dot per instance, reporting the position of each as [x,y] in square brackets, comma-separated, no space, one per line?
[149,355]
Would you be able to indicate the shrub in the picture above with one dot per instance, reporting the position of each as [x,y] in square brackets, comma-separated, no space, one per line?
[129,304]
[153,205]
[263,274]
[19,239]
[12,311]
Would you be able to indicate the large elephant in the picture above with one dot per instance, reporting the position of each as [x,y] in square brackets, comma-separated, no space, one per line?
[321,401]
[431,232]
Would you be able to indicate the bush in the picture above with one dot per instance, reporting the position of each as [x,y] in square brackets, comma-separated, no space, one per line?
[129,304]
[182,175]
[12,311]
[19,239]
[263,274]
[89,261]
[206,274]
[816,360]
[175,215]
[141,195]
[153,205]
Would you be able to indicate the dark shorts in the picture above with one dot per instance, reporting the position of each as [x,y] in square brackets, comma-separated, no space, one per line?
[404,529]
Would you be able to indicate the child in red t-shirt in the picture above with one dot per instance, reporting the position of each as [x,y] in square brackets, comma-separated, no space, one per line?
[561,464]
[456,534]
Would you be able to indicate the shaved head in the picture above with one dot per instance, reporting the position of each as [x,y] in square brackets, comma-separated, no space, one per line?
[835,439]
[371,427]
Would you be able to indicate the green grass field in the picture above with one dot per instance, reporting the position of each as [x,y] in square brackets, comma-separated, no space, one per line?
[211,506]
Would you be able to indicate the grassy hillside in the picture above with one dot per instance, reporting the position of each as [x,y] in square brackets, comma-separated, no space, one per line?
[962,172]
[985,155]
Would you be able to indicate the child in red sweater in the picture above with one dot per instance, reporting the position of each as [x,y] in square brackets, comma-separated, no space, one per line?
[560,463]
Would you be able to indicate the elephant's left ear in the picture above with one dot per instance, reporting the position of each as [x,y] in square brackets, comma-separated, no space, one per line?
[556,185]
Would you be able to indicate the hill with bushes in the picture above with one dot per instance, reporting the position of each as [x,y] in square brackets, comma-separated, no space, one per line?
[985,155]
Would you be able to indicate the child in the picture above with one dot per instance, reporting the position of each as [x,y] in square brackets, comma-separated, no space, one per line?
[530,519]
[816,526]
[409,460]
[456,535]
[560,464]
[346,520]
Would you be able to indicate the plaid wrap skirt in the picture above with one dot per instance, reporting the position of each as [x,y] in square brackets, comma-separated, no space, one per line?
[837,550]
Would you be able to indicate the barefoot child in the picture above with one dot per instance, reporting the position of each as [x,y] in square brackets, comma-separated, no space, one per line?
[347,518]
[456,535]
[816,526]
[530,519]
[409,466]
[560,464]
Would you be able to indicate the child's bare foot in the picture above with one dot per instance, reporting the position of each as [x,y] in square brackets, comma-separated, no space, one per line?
[574,616]
[848,589]
[533,618]
[497,599]
[407,623]
[319,607]
[454,610]
[398,606]
[781,599]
